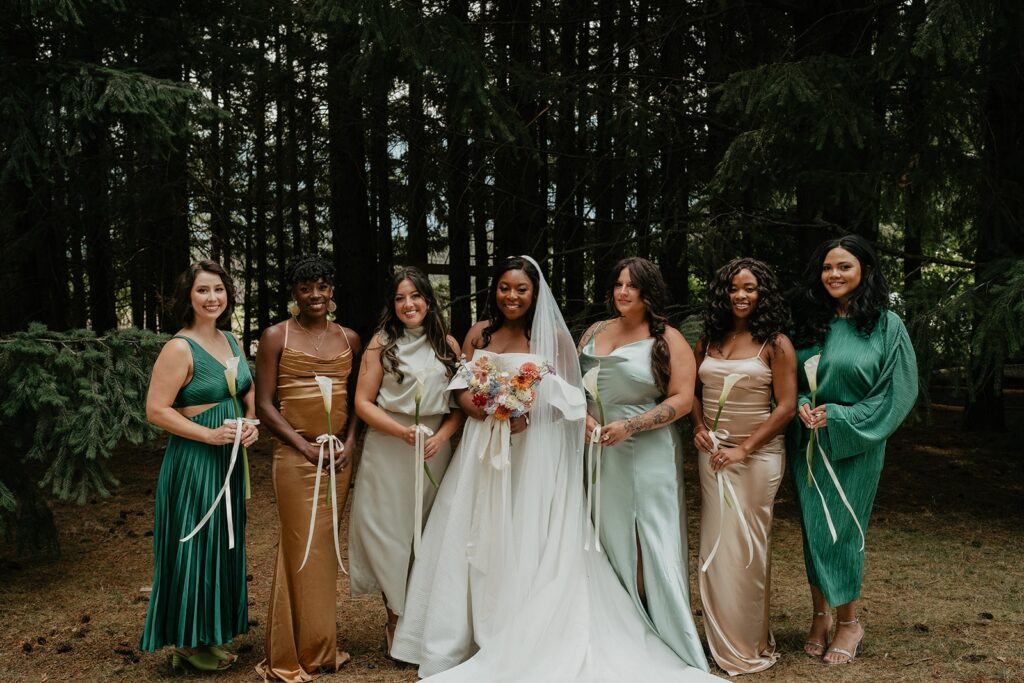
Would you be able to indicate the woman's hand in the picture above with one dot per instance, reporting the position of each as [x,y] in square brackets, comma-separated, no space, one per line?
[614,433]
[222,435]
[408,435]
[591,423]
[702,440]
[250,434]
[813,418]
[432,446]
[518,424]
[727,456]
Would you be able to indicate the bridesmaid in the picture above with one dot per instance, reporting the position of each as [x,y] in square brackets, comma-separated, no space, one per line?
[866,386]
[411,343]
[199,600]
[301,626]
[646,382]
[743,334]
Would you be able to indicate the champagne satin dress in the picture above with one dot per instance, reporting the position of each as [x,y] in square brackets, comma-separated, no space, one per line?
[301,622]
[736,597]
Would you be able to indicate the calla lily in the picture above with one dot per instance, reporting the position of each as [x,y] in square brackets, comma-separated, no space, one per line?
[730,382]
[421,378]
[590,384]
[811,370]
[231,375]
[326,390]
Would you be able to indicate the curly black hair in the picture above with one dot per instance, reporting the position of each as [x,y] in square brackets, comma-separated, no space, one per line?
[390,329]
[646,277]
[815,307]
[310,268]
[770,316]
[493,313]
[181,303]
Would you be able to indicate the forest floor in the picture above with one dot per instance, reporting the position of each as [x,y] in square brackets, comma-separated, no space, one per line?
[943,595]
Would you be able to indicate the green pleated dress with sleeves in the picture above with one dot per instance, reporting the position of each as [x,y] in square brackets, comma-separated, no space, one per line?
[199,591]
[642,496]
[868,385]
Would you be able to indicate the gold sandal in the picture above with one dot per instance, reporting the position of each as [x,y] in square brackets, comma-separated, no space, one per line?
[818,647]
[850,656]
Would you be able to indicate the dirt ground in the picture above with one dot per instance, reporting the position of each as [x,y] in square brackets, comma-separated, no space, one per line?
[943,595]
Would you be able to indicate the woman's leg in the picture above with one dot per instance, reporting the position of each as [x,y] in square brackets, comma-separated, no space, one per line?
[821,622]
[848,635]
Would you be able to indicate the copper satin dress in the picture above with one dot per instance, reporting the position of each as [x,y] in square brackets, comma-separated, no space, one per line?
[301,622]
[735,597]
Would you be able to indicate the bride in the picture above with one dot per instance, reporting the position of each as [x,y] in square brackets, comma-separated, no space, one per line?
[502,589]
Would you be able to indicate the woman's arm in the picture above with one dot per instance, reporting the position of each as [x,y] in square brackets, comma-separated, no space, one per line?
[463,396]
[371,373]
[450,424]
[354,423]
[268,356]
[170,373]
[701,439]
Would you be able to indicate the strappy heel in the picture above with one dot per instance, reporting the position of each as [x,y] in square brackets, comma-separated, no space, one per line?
[850,656]
[818,650]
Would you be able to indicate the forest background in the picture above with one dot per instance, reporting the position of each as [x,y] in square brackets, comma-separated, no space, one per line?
[140,136]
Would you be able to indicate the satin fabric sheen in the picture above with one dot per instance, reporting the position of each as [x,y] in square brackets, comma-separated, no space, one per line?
[301,622]
[381,526]
[642,496]
[199,593]
[735,597]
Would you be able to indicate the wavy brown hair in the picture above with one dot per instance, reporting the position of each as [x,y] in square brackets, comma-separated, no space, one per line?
[769,319]
[654,293]
[181,304]
[390,329]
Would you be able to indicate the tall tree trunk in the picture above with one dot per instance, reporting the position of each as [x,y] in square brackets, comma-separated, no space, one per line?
[566,223]
[310,118]
[458,200]
[280,236]
[258,198]
[415,167]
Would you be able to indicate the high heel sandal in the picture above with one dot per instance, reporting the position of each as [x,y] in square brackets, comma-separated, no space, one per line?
[850,656]
[200,661]
[819,647]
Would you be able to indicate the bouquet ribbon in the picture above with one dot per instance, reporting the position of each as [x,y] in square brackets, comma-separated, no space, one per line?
[225,489]
[490,508]
[593,473]
[839,490]
[334,445]
[717,438]
[422,432]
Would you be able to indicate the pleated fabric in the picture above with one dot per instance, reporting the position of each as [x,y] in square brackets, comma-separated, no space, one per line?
[642,497]
[869,384]
[735,596]
[302,634]
[199,592]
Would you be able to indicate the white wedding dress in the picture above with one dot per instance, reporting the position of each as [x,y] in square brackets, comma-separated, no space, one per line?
[503,589]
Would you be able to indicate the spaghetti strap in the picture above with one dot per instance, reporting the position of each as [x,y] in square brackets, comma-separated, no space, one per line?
[345,335]
[286,328]
[762,348]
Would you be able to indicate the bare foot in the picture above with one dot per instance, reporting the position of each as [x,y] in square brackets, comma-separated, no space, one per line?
[845,643]
[817,637]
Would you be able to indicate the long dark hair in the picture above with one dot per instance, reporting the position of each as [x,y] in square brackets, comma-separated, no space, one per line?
[768,319]
[654,293]
[390,328]
[181,304]
[815,307]
[492,312]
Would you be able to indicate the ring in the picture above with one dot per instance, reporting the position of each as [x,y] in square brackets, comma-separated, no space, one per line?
[604,438]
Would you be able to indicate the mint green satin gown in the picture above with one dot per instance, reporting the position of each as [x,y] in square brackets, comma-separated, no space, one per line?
[642,496]
[199,593]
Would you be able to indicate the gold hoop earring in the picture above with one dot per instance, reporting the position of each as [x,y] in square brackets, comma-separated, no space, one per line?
[332,307]
[293,308]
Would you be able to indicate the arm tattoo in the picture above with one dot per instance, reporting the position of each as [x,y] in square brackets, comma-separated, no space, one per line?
[657,416]
[594,330]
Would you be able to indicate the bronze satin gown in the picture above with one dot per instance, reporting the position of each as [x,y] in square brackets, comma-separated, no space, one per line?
[301,622]
[735,597]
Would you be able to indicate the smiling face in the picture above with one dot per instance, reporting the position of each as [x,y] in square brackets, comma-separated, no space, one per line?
[410,305]
[743,294]
[626,295]
[313,297]
[514,294]
[209,296]
[840,274]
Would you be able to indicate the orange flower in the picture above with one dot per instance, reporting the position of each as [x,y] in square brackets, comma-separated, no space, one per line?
[529,370]
[502,413]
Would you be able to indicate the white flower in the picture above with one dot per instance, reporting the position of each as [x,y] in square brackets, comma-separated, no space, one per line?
[326,390]
[421,378]
[231,374]
[590,381]
[730,382]
[811,369]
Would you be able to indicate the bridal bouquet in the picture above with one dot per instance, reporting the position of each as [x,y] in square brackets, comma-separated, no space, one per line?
[502,394]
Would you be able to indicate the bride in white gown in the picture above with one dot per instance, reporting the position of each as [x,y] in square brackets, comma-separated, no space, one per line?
[502,589]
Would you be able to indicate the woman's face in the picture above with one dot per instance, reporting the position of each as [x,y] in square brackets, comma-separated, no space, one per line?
[209,296]
[313,297]
[626,295]
[840,274]
[410,306]
[743,294]
[514,295]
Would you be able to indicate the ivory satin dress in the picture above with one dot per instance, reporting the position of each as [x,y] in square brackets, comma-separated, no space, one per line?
[736,597]
[302,618]
[383,506]
[642,496]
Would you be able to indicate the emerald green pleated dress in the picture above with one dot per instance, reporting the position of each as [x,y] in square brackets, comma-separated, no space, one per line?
[199,591]
[869,385]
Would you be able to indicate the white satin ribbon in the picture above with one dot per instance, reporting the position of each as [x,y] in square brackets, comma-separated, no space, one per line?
[717,438]
[839,490]
[225,489]
[593,474]
[422,432]
[488,524]
[333,445]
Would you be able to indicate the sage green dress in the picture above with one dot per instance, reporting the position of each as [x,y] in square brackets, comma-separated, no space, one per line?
[869,385]
[199,591]
[642,497]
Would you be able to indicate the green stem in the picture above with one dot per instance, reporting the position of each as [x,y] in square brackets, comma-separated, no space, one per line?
[247,486]
[330,432]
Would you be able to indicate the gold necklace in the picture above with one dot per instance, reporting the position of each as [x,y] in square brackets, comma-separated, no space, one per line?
[319,339]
